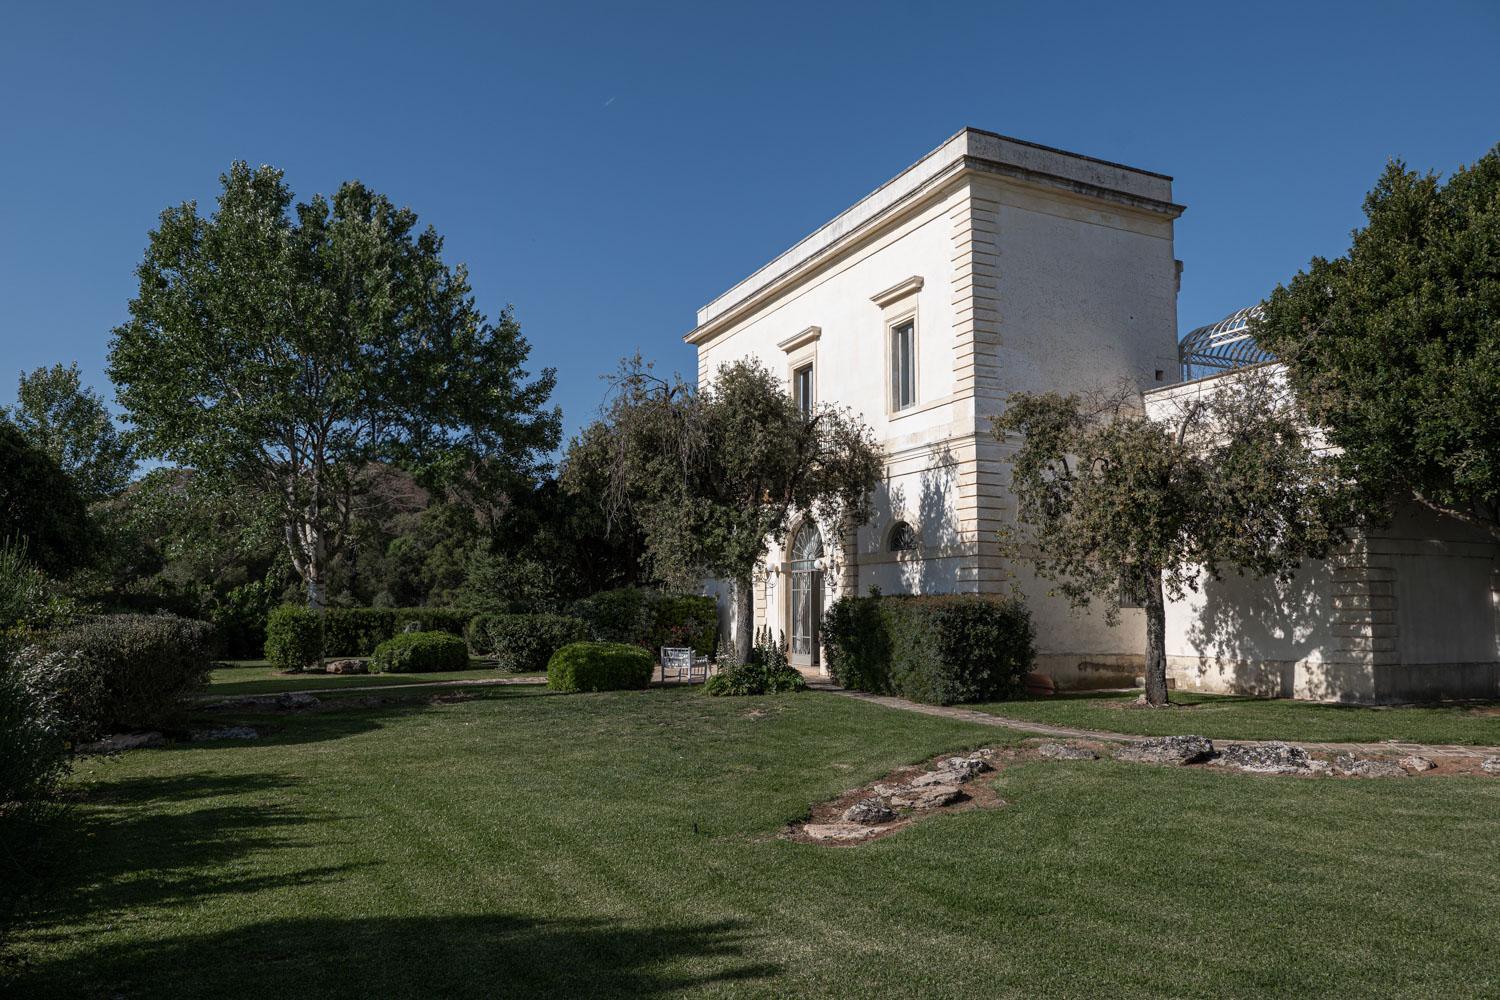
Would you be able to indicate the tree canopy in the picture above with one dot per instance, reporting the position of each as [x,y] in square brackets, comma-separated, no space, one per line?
[1110,501]
[1394,348]
[288,348]
[72,425]
[711,474]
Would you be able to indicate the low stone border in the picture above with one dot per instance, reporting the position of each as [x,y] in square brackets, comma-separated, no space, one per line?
[947,784]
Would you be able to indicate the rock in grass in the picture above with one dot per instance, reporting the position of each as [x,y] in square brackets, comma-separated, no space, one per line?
[123,741]
[1367,767]
[869,812]
[839,831]
[1174,750]
[953,771]
[929,797]
[1265,758]
[1490,765]
[347,667]
[1416,762]
[1065,751]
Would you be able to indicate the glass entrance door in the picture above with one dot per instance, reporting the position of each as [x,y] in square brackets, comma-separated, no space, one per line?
[805,596]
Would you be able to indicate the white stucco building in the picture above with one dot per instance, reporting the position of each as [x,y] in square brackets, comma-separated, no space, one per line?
[989,266]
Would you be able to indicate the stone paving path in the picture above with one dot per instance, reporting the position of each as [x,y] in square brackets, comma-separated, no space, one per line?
[1069,733]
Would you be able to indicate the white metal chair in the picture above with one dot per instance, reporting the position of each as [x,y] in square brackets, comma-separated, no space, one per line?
[676,663]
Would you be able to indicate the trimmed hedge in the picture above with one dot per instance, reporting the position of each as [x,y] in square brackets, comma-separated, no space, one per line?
[114,672]
[420,653]
[292,631]
[686,620]
[599,666]
[294,637]
[938,650]
[650,619]
[523,643]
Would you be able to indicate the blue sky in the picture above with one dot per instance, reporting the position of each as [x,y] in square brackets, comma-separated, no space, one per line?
[608,168]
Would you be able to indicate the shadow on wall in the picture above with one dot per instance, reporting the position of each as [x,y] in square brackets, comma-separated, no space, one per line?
[1252,632]
[480,955]
[931,567]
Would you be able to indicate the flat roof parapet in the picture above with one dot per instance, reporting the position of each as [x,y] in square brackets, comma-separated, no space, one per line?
[969,148]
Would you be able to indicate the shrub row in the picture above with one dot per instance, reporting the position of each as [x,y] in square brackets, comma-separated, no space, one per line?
[420,653]
[938,650]
[297,636]
[523,643]
[650,619]
[599,666]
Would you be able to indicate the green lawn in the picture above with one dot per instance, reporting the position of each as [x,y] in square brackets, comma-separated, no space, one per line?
[259,677]
[1236,718]
[527,844]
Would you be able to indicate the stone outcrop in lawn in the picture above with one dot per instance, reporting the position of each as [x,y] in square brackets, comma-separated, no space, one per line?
[1172,750]
[1265,758]
[1367,767]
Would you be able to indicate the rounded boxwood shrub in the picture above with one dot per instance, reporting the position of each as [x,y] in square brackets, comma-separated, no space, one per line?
[522,643]
[420,653]
[294,637]
[599,666]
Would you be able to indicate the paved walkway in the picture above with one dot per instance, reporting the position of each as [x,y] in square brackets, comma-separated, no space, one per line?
[1069,733]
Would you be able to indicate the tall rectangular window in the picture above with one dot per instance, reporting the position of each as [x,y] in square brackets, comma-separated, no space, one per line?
[903,365]
[802,389]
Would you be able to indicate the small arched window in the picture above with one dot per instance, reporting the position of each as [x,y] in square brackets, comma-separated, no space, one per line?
[902,538]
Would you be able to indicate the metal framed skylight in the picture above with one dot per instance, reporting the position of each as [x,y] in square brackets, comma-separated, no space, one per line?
[1222,346]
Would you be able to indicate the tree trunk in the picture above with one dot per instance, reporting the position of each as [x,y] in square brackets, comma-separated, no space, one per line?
[1156,640]
[744,617]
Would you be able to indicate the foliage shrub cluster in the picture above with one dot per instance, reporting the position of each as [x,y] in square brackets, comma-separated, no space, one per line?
[651,619]
[420,653]
[32,753]
[765,672]
[523,643]
[297,636]
[938,650]
[599,666]
[114,672]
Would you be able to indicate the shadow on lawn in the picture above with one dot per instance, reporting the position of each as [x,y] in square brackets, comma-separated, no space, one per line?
[453,956]
[346,715]
[108,853]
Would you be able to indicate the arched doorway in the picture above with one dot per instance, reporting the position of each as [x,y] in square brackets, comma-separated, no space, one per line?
[805,595]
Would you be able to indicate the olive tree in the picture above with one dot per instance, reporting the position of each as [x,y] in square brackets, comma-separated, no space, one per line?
[1111,500]
[711,474]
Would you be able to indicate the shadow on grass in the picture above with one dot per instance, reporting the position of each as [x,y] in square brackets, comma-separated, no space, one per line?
[106,852]
[343,715]
[449,956]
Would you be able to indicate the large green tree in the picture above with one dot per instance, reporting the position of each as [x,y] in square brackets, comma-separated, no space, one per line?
[1394,348]
[71,424]
[287,348]
[711,474]
[1109,500]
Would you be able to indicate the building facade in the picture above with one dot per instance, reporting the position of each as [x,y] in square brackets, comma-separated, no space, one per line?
[992,266]
[989,266]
